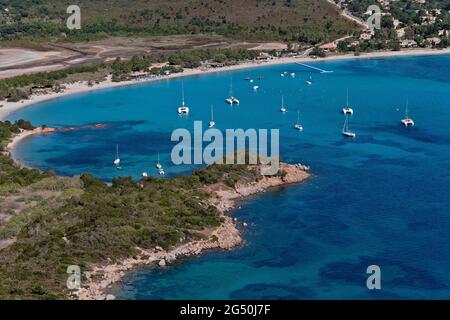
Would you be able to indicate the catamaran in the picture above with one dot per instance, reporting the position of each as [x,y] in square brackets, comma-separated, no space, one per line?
[283,108]
[232,100]
[298,126]
[345,131]
[212,123]
[347,109]
[183,109]
[407,121]
[117,161]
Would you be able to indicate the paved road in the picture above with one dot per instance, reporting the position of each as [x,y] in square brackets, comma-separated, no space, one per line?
[347,14]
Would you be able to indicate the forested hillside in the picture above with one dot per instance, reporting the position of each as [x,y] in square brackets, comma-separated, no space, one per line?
[309,21]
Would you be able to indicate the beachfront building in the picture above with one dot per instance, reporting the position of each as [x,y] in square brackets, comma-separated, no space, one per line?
[407,43]
[329,47]
[434,41]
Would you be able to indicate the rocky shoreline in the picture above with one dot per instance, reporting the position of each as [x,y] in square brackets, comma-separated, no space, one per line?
[100,279]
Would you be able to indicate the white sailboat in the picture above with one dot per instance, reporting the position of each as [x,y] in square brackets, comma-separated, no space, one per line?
[298,126]
[347,109]
[232,99]
[212,123]
[345,131]
[158,164]
[183,109]
[283,108]
[117,160]
[407,121]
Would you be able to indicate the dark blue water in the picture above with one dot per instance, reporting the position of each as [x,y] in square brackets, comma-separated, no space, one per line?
[381,199]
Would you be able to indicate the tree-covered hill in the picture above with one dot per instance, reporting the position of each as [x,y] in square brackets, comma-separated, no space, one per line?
[309,21]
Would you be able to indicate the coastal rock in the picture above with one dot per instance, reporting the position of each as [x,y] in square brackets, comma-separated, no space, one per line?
[162,263]
[170,257]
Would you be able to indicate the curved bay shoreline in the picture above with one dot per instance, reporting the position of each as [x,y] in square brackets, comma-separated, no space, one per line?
[83,87]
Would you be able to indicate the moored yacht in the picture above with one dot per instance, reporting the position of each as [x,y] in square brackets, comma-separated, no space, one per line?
[183,109]
[117,160]
[298,126]
[347,109]
[212,123]
[232,100]
[407,121]
[283,108]
[345,131]
[158,164]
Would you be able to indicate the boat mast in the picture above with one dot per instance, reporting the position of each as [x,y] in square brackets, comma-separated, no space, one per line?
[231,87]
[212,113]
[298,116]
[117,151]
[347,97]
[406,109]
[182,92]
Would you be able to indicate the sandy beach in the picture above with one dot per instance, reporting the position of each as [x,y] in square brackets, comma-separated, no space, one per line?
[21,136]
[82,87]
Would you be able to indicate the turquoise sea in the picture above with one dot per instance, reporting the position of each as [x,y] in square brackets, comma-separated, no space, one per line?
[383,198]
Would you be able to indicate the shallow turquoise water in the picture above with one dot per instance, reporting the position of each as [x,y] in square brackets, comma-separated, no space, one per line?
[382,199]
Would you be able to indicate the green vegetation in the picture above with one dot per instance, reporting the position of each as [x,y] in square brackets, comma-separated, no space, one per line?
[306,21]
[20,87]
[54,222]
[11,176]
[405,23]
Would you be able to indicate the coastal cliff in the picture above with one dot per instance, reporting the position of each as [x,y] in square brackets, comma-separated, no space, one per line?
[225,237]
